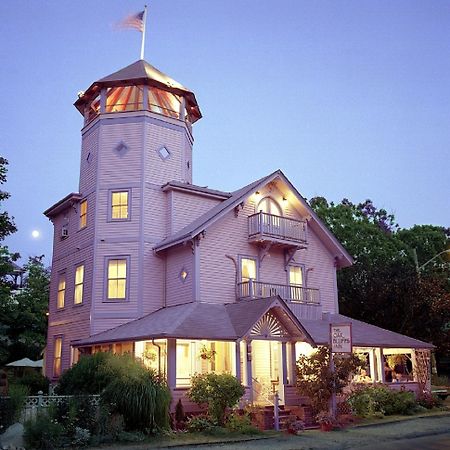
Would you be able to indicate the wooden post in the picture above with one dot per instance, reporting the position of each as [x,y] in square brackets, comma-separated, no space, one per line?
[249,369]
[275,412]
[172,363]
[237,348]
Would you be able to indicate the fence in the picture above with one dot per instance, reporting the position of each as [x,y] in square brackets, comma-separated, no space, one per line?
[34,403]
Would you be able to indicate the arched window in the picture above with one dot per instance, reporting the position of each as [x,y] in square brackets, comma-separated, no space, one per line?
[269,206]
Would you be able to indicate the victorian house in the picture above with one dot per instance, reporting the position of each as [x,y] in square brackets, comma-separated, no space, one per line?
[191,279]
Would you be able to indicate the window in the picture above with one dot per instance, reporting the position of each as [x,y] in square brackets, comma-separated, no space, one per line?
[79,281]
[119,205]
[57,357]
[83,213]
[269,206]
[61,291]
[117,279]
[248,269]
[296,283]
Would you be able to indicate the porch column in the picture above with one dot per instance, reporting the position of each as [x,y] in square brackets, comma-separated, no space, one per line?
[172,363]
[237,348]
[249,368]
[293,378]
[380,358]
[284,363]
[372,365]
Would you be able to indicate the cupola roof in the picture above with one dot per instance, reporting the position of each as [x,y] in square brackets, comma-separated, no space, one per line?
[141,73]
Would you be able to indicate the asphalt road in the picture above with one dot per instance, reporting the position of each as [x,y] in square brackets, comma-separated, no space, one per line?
[435,442]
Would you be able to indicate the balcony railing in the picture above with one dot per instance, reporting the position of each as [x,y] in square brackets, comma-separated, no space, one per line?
[276,227]
[288,292]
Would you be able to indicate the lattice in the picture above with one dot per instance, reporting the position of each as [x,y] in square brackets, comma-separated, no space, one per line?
[268,326]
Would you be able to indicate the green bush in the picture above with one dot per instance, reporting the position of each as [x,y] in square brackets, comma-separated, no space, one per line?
[88,376]
[240,423]
[11,406]
[200,423]
[373,401]
[35,382]
[43,432]
[217,391]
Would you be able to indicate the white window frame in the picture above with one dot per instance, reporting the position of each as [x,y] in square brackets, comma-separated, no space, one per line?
[110,205]
[127,279]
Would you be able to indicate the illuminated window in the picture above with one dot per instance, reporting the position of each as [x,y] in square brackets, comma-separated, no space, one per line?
[204,357]
[57,357]
[117,279]
[119,205]
[248,269]
[183,275]
[79,281]
[83,213]
[296,281]
[269,206]
[61,291]
[296,275]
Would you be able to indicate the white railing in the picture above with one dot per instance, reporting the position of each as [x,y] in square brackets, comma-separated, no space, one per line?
[34,403]
[270,225]
[289,292]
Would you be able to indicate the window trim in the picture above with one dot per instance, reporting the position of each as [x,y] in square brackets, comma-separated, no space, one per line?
[61,275]
[269,197]
[84,216]
[82,283]
[106,279]
[110,194]
[303,267]
[57,337]
[240,258]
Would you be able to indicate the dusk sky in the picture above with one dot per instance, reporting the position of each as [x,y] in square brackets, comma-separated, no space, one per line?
[349,98]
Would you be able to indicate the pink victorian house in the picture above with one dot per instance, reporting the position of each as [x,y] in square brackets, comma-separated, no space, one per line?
[188,278]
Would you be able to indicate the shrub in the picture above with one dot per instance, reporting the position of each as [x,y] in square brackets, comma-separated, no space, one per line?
[87,376]
[439,380]
[428,400]
[139,395]
[315,379]
[201,423]
[11,407]
[35,382]
[379,400]
[43,432]
[240,423]
[218,391]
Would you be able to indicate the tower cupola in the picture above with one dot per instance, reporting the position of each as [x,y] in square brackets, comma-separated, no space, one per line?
[139,87]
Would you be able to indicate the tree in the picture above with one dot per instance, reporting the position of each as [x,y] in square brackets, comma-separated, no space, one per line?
[382,287]
[316,380]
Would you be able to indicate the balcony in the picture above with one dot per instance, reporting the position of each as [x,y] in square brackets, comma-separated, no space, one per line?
[291,293]
[263,227]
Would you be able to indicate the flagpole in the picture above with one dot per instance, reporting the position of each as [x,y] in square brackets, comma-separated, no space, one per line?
[144,20]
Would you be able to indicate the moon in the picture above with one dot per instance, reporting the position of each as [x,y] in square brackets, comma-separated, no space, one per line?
[35,234]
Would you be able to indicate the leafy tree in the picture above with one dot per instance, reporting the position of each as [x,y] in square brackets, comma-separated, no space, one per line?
[24,314]
[382,286]
[315,379]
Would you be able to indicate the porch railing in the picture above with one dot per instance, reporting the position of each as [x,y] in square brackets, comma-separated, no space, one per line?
[278,227]
[288,292]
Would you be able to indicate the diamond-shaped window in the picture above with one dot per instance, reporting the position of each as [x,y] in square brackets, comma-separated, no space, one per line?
[121,148]
[163,153]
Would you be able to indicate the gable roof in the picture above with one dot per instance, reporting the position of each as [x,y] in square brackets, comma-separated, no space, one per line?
[363,334]
[203,222]
[199,320]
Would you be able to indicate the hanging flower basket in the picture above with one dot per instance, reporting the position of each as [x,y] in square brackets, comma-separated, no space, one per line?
[206,353]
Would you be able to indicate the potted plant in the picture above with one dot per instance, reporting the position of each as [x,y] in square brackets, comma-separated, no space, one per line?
[206,353]
[294,425]
[325,420]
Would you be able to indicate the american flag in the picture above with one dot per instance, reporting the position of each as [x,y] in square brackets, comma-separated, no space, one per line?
[135,21]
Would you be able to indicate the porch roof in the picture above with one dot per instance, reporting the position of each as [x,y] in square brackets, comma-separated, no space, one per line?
[199,320]
[363,334]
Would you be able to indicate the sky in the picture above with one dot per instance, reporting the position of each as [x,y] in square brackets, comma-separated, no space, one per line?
[351,99]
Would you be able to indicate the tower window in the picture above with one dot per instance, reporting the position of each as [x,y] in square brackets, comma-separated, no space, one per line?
[83,214]
[79,282]
[121,148]
[117,279]
[163,153]
[57,357]
[119,205]
[61,291]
